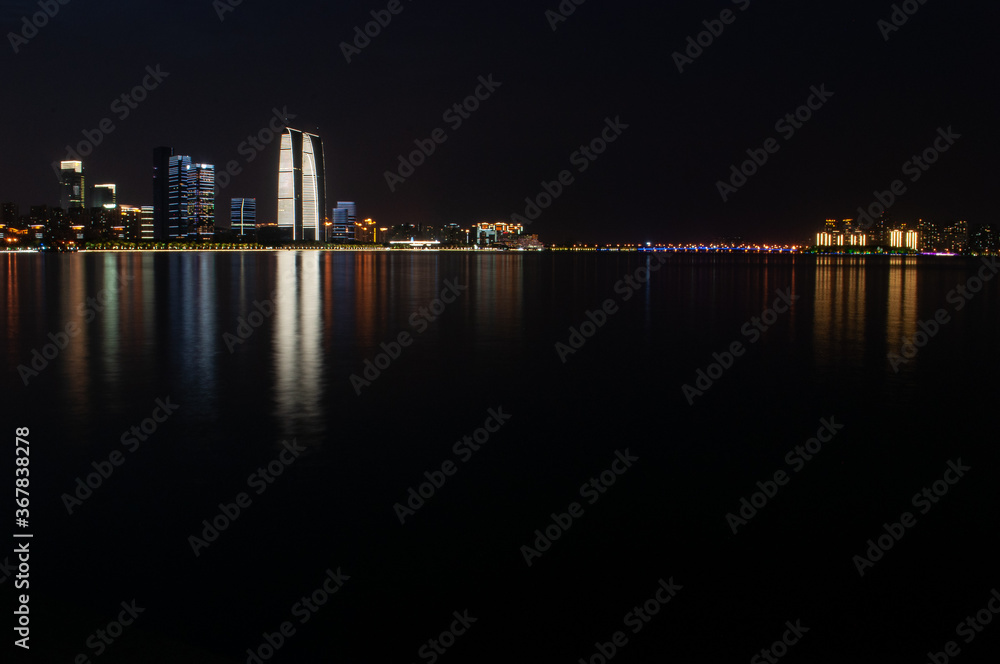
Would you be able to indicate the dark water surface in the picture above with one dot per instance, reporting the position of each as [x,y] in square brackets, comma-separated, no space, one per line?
[163,335]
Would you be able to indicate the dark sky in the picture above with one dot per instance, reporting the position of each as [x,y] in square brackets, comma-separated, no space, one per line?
[656,182]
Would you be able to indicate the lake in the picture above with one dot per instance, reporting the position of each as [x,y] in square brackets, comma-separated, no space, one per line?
[503,456]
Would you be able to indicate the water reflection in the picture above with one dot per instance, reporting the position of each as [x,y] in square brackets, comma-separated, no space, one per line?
[901,313]
[497,302]
[839,297]
[194,333]
[74,361]
[854,297]
[298,356]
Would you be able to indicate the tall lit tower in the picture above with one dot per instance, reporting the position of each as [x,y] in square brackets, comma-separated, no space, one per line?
[301,185]
[190,198]
[177,210]
[161,191]
[200,183]
[243,216]
[71,185]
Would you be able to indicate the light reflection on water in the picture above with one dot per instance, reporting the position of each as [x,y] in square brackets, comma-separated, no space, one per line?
[333,309]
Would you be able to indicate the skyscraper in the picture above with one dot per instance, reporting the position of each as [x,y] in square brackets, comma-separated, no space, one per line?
[301,186]
[71,192]
[161,191]
[190,198]
[146,231]
[344,220]
[129,223]
[177,221]
[243,216]
[201,200]
[341,230]
[930,236]
[956,237]
[352,211]
[103,196]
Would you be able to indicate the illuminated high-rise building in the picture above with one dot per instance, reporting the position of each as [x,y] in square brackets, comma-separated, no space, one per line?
[344,220]
[201,200]
[301,186]
[190,198]
[243,216]
[147,230]
[929,235]
[340,231]
[104,196]
[352,211]
[71,185]
[129,223]
[161,191]
[177,222]
[956,237]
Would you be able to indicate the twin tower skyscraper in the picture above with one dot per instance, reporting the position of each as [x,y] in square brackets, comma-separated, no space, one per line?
[301,186]
[301,191]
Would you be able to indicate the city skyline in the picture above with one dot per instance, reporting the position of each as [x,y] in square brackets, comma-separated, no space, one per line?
[688,123]
[369,330]
[340,222]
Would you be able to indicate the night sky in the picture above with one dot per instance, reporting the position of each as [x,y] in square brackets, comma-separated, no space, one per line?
[656,182]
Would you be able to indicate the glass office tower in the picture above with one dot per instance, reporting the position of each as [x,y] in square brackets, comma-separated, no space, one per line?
[243,216]
[301,186]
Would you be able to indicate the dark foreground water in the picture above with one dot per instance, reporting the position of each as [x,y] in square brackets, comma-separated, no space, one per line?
[182,329]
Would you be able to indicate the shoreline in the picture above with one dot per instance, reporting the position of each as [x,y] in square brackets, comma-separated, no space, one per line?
[601,250]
